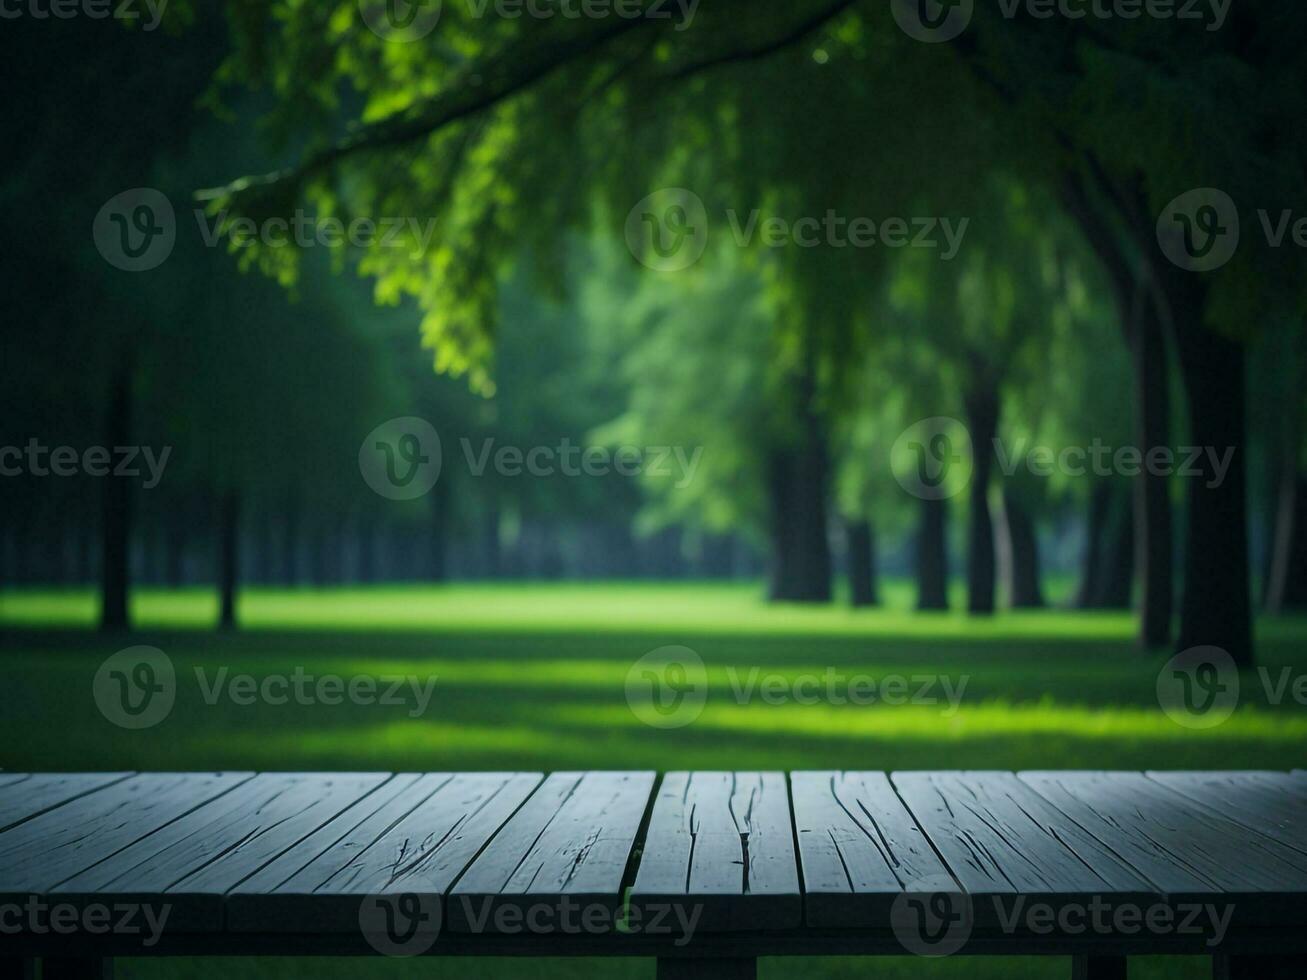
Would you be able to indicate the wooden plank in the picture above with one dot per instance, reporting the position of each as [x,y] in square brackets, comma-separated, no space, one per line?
[243,913]
[859,848]
[198,857]
[42,852]
[416,843]
[1189,852]
[25,796]
[1271,803]
[1000,840]
[720,849]
[567,848]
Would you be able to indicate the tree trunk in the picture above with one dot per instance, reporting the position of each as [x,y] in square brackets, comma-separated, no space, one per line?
[1023,547]
[1285,579]
[1116,573]
[1216,609]
[85,554]
[290,545]
[366,531]
[116,516]
[320,544]
[1108,576]
[439,551]
[861,543]
[801,568]
[228,557]
[1153,537]
[782,571]
[176,526]
[932,556]
[982,404]
[490,539]
[1286,582]
[1098,518]
[797,478]
[1141,324]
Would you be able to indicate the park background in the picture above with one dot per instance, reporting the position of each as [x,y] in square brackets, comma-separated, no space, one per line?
[543,312]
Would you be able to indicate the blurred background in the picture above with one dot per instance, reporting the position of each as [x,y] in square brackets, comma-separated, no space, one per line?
[907,385]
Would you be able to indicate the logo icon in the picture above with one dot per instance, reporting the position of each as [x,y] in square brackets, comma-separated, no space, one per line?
[932,917]
[400,923]
[932,21]
[403,21]
[668,230]
[931,459]
[667,687]
[1199,230]
[135,231]
[1199,687]
[400,459]
[136,687]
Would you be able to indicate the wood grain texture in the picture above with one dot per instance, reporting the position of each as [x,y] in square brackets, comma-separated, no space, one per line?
[566,850]
[1000,840]
[1190,852]
[197,858]
[509,858]
[720,847]
[859,848]
[23,796]
[1272,803]
[417,841]
[41,853]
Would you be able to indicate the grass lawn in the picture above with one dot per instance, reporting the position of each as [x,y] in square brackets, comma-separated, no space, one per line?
[533,676]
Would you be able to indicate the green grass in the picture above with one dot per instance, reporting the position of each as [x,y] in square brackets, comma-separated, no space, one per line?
[533,676]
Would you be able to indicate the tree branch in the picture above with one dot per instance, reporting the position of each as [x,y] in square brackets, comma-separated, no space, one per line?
[767,48]
[478,87]
[481,87]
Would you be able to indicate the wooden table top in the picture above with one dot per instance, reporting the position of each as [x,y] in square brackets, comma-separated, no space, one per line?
[606,854]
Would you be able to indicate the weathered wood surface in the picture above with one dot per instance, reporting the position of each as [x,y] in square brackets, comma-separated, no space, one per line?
[416,843]
[1193,853]
[860,848]
[720,849]
[504,856]
[564,853]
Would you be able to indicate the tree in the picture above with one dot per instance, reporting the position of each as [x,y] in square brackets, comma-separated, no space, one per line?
[488,94]
[53,176]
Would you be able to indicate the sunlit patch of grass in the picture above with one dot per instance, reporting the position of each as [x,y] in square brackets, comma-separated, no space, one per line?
[535,676]
[701,608]
[944,724]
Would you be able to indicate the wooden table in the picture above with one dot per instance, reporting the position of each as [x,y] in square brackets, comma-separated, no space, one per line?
[704,871]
